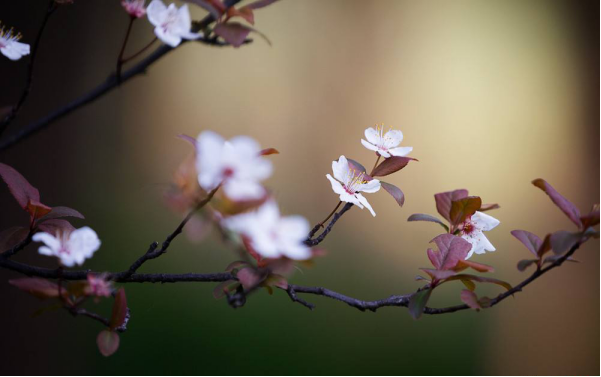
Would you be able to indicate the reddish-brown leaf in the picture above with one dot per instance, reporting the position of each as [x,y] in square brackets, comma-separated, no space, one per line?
[525,263]
[108,342]
[21,190]
[488,207]
[40,288]
[438,274]
[451,249]
[395,192]
[190,140]
[58,212]
[119,310]
[444,201]
[464,208]
[248,277]
[530,240]
[10,237]
[56,226]
[564,204]
[260,4]
[37,209]
[470,299]
[268,151]
[391,165]
[233,33]
[463,264]
[481,279]
[244,12]
[562,241]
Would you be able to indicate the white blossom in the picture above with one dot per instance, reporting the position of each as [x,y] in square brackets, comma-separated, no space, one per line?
[70,247]
[472,231]
[171,24]
[10,45]
[385,144]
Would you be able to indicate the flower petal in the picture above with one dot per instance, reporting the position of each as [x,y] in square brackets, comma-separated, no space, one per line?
[400,151]
[156,12]
[373,136]
[369,146]
[51,242]
[392,138]
[336,186]
[484,221]
[340,169]
[364,201]
[370,187]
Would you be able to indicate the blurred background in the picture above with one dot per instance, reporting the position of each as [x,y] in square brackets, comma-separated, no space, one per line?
[490,94]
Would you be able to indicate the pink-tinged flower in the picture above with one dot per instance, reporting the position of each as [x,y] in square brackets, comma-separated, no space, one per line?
[10,45]
[271,235]
[353,183]
[235,164]
[98,286]
[171,24]
[385,144]
[472,231]
[71,248]
[134,8]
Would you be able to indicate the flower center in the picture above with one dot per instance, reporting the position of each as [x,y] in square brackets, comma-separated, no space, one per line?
[469,228]
[7,36]
[383,138]
[353,181]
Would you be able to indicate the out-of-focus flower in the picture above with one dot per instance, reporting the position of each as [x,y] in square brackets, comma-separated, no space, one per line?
[10,45]
[71,248]
[385,144]
[271,235]
[98,286]
[472,231]
[236,164]
[353,183]
[135,8]
[171,24]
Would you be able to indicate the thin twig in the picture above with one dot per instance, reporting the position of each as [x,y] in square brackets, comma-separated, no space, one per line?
[100,90]
[34,52]
[120,58]
[316,241]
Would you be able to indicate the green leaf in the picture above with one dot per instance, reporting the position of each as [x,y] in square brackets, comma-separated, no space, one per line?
[418,302]
[480,279]
[525,263]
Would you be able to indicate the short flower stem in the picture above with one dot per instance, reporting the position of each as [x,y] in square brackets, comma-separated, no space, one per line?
[125,60]
[120,59]
[330,215]
[375,165]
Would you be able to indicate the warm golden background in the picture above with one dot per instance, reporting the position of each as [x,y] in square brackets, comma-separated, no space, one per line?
[491,94]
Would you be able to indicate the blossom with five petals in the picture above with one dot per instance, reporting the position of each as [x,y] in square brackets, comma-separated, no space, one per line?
[385,144]
[472,231]
[71,248]
[235,164]
[353,183]
[271,235]
[171,24]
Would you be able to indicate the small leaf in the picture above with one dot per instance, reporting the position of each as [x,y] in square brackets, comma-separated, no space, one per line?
[40,288]
[470,299]
[225,287]
[444,201]
[438,274]
[58,212]
[249,277]
[451,249]
[488,207]
[244,12]
[56,225]
[480,279]
[260,4]
[190,140]
[18,186]
[525,263]
[463,264]
[236,265]
[418,302]
[232,32]
[108,342]
[530,240]
[463,209]
[268,151]
[395,192]
[564,204]
[275,280]
[391,165]
[12,236]
[119,310]
[357,167]
[562,241]
[37,209]
[424,217]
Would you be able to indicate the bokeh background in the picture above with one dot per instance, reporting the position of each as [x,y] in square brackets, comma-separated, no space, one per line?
[491,94]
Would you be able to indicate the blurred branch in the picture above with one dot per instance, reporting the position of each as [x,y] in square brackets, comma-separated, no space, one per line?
[52,6]
[111,83]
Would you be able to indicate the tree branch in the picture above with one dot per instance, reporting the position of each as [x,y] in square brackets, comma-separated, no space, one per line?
[111,83]
[316,241]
